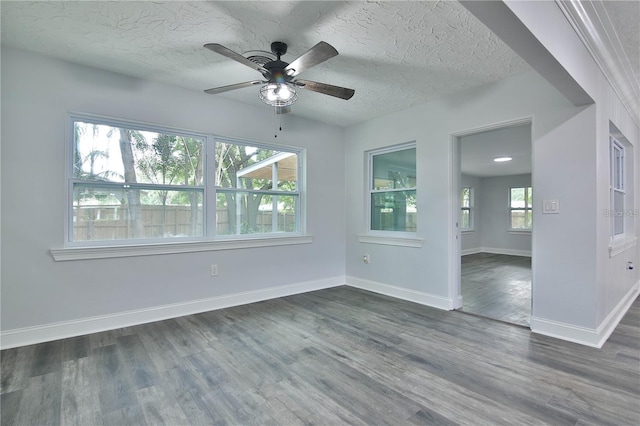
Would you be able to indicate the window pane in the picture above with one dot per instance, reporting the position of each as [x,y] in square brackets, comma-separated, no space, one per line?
[115,154]
[287,206]
[245,213]
[393,211]
[521,219]
[249,167]
[618,168]
[115,213]
[394,170]
[517,197]
[529,197]
[466,197]
[465,219]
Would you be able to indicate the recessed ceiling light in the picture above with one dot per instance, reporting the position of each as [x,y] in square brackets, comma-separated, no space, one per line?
[502,159]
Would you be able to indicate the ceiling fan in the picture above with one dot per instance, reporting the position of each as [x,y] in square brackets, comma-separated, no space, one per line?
[279,81]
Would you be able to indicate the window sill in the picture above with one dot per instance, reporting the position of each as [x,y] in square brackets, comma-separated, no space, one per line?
[520,231]
[467,231]
[106,252]
[620,245]
[391,241]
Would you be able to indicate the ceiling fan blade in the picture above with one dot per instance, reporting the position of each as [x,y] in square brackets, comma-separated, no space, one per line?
[312,57]
[218,48]
[327,89]
[223,89]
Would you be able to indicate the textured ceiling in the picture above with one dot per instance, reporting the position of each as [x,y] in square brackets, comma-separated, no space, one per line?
[625,17]
[394,54]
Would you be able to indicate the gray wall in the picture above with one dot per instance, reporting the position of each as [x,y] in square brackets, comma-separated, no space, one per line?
[37,94]
[494,216]
[585,160]
[427,271]
[491,232]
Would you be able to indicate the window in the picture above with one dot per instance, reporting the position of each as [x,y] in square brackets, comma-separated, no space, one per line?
[466,209]
[392,190]
[150,184]
[257,189]
[617,187]
[520,209]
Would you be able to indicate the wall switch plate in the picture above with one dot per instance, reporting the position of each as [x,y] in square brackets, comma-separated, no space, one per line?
[214,270]
[365,258]
[551,206]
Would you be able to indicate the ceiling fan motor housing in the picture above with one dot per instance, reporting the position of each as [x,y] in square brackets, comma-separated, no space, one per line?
[279,48]
[277,71]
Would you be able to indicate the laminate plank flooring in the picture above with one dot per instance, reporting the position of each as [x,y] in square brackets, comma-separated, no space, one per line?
[497,286]
[330,357]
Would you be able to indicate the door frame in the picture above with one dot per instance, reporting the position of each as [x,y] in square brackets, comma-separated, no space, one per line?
[455,236]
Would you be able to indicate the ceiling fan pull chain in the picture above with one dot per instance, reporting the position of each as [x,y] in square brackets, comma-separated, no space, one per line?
[275,120]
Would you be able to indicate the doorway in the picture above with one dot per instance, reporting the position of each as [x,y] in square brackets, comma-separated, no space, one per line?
[494,218]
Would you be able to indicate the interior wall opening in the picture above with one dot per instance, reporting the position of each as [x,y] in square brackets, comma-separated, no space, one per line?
[495,222]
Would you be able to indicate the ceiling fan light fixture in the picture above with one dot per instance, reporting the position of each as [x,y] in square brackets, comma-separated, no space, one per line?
[278,94]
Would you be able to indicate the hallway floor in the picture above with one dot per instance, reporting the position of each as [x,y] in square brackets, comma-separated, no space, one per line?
[497,286]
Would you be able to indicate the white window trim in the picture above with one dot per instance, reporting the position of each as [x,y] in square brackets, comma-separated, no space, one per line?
[615,145]
[386,237]
[511,230]
[129,250]
[622,244]
[81,250]
[400,239]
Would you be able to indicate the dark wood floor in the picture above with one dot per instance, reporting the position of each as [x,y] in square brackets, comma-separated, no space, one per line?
[497,286]
[336,356]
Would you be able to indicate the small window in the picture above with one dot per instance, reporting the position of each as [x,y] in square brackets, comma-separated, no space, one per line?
[617,187]
[466,209]
[520,209]
[392,190]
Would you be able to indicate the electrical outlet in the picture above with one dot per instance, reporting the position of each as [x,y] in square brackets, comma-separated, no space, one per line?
[214,270]
[365,258]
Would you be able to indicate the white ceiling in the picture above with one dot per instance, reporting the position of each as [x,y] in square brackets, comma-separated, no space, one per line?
[394,54]
[479,150]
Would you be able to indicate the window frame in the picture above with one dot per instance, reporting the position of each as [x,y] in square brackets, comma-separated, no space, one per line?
[370,191]
[528,190]
[617,185]
[209,240]
[299,193]
[470,209]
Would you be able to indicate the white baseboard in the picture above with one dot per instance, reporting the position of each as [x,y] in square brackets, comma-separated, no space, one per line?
[402,293]
[594,337]
[491,250]
[470,251]
[62,330]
